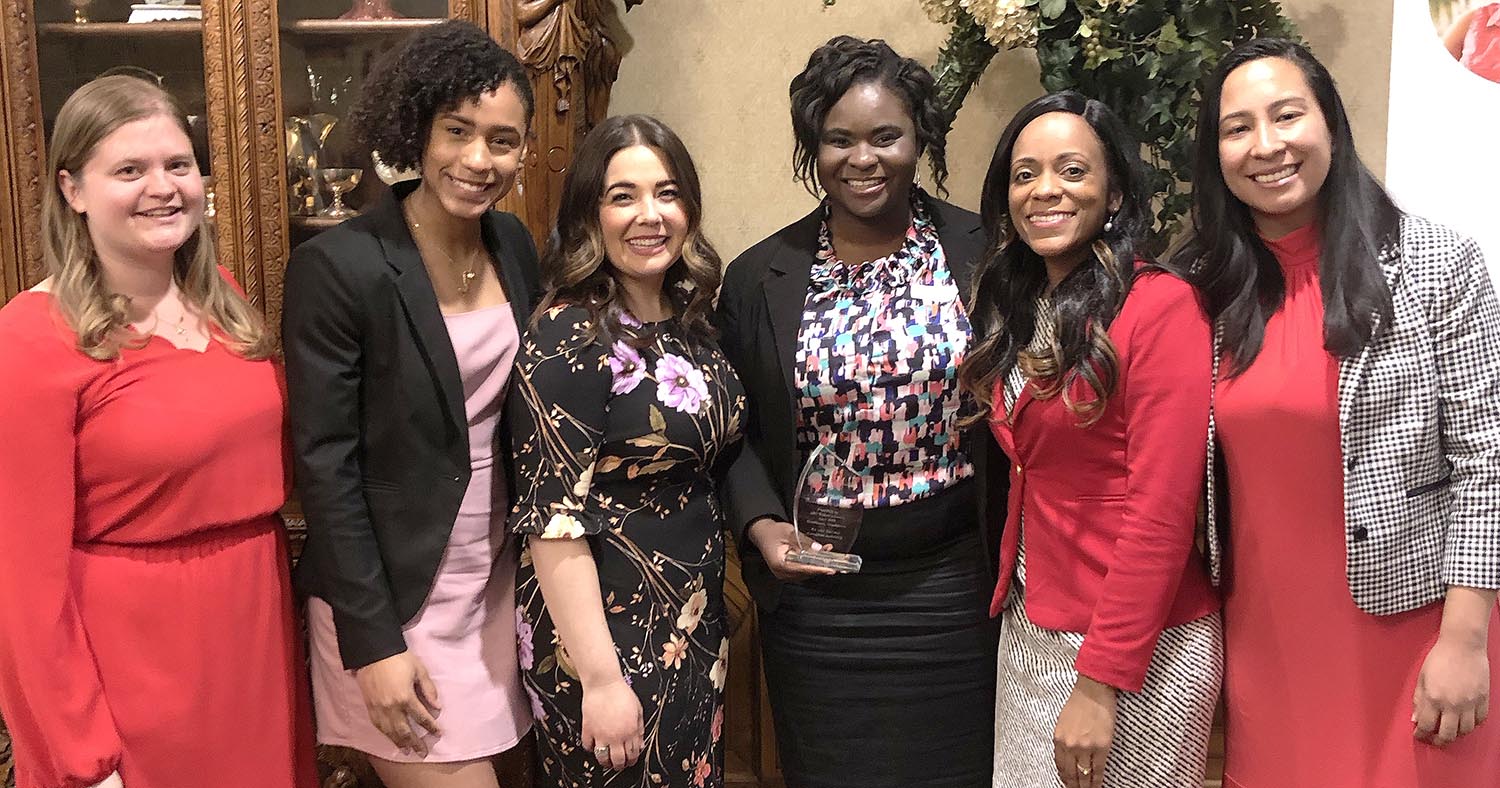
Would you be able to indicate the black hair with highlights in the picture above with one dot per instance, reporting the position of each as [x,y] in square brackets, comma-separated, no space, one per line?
[1011,275]
[434,70]
[846,61]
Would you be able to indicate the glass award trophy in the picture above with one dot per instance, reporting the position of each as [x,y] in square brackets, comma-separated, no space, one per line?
[834,527]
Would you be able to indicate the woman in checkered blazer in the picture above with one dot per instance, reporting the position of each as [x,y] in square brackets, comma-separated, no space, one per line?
[1357,401]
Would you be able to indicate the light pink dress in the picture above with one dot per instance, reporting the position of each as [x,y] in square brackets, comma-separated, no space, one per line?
[465,633]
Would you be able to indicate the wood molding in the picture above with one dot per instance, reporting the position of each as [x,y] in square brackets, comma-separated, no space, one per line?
[11,277]
[23,131]
[241,65]
[264,149]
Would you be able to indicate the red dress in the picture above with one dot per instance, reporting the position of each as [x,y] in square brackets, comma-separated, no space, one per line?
[146,621]
[1318,693]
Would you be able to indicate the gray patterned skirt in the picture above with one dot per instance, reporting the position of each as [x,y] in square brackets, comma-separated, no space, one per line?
[1161,733]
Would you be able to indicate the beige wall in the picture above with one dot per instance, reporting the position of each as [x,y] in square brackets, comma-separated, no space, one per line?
[717,72]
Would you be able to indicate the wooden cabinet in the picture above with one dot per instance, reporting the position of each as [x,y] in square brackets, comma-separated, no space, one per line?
[247,71]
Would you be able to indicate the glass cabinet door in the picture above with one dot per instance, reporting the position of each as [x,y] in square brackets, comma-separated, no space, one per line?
[327,49]
[78,40]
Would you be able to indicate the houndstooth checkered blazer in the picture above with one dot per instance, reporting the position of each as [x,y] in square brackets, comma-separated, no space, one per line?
[1419,425]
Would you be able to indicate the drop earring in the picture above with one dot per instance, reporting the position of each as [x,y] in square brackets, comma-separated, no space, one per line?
[1109,224]
[521,182]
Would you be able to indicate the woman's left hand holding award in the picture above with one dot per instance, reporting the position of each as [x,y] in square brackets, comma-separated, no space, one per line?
[775,540]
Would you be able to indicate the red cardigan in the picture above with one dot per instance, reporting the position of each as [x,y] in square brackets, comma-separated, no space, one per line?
[1110,509]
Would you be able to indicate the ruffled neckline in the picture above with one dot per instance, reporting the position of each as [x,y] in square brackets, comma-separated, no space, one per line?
[832,276]
[1298,249]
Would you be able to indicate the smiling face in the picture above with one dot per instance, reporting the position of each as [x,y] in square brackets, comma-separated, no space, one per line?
[474,150]
[1059,192]
[1274,144]
[641,216]
[139,190]
[867,153]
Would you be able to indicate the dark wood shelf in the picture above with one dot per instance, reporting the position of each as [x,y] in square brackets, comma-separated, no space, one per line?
[175,27]
[345,27]
[315,222]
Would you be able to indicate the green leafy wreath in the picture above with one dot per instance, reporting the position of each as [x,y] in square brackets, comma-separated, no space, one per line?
[1143,58]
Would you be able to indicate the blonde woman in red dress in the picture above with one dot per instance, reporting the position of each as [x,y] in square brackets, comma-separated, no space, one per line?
[147,637]
[1358,407]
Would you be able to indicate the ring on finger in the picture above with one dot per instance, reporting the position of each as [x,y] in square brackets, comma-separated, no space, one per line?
[1084,770]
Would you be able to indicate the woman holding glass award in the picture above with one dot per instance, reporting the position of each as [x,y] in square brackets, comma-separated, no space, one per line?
[847,328]
[1094,369]
[400,326]
[626,412]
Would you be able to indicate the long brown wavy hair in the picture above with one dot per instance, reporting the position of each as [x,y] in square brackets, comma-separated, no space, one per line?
[574,267]
[98,316]
[1011,276]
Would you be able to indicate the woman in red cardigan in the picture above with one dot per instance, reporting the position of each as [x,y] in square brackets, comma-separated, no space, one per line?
[1096,384]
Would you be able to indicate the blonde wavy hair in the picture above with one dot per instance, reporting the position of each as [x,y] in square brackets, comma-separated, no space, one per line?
[575,269]
[99,317]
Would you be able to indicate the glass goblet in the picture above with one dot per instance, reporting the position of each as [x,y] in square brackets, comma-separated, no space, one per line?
[339,181]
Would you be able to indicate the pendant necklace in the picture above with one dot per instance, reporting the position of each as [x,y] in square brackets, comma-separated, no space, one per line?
[464,277]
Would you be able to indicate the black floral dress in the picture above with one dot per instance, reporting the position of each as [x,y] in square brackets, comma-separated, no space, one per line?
[619,446]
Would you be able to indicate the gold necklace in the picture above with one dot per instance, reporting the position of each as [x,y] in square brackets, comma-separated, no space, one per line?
[467,275]
[156,321]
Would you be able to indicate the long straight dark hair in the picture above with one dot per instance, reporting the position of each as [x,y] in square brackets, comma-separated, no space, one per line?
[1239,278]
[1011,275]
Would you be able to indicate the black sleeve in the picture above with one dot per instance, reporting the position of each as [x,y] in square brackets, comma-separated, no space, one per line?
[322,331]
[747,491]
[559,412]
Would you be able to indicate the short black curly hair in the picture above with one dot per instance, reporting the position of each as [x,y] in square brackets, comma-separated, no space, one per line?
[846,61]
[432,71]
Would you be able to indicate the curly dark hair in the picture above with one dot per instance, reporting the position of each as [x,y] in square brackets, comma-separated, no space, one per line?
[846,61]
[432,71]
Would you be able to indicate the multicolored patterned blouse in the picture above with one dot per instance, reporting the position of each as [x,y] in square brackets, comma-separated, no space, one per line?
[877,372]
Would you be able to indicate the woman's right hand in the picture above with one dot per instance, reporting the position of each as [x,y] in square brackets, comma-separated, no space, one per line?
[774,539]
[398,690]
[612,720]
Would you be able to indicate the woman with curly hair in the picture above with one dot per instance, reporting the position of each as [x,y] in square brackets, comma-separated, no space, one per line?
[147,631]
[847,327]
[1092,367]
[400,327]
[625,414]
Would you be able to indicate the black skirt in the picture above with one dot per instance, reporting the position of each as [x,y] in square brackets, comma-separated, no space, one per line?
[887,677]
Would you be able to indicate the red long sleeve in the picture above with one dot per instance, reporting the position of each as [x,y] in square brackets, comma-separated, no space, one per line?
[1166,398]
[50,692]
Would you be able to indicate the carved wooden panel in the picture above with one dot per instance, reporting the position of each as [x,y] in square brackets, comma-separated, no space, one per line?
[11,276]
[23,149]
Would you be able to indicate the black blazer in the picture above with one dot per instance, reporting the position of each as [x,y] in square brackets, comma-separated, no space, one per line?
[759,319]
[379,434]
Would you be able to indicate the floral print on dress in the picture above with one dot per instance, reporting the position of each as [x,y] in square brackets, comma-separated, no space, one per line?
[877,371]
[619,446]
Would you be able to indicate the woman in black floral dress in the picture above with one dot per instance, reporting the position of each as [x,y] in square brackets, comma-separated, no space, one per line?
[625,412]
